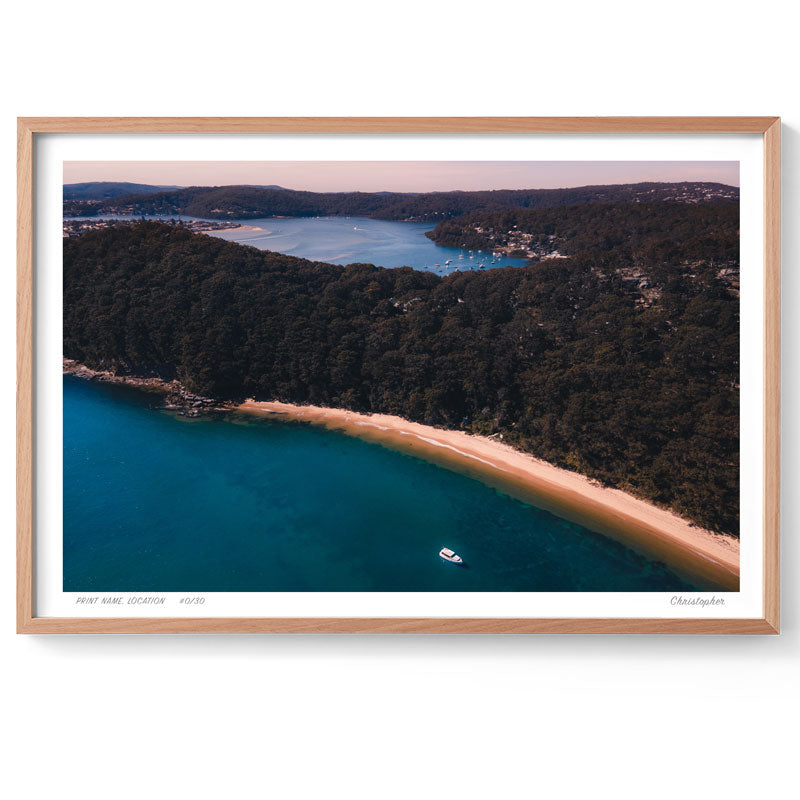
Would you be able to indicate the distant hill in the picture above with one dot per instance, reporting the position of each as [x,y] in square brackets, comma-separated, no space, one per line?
[104,190]
[250,202]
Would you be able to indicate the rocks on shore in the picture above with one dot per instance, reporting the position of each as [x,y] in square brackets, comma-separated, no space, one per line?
[177,397]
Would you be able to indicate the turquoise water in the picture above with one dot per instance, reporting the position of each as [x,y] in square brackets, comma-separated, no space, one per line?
[158,502]
[349,240]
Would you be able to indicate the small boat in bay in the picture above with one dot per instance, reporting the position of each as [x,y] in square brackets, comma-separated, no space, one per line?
[448,555]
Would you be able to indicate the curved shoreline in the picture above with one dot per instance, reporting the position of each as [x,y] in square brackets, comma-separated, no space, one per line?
[707,558]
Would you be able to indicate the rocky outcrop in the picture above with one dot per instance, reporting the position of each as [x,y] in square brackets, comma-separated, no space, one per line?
[176,396]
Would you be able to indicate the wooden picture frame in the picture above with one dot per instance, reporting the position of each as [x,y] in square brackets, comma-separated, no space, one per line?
[29,128]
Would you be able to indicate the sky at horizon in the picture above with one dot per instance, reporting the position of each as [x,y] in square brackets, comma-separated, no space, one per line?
[400,176]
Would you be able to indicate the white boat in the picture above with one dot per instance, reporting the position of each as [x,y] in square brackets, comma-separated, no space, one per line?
[448,555]
[449,261]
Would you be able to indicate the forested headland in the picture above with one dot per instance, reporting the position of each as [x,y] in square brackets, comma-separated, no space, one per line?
[627,233]
[620,362]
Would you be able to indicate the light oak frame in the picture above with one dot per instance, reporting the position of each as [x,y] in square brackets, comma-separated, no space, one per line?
[28,128]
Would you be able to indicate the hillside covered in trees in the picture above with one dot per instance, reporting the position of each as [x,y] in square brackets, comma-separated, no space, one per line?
[105,190]
[628,233]
[626,374]
[252,202]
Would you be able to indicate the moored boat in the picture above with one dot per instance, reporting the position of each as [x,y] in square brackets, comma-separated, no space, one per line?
[448,555]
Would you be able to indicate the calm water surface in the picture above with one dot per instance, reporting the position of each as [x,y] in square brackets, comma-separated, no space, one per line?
[348,240]
[158,502]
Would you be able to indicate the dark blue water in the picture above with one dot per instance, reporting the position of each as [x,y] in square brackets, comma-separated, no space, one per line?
[158,502]
[348,240]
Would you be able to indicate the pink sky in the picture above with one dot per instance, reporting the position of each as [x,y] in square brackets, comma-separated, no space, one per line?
[400,176]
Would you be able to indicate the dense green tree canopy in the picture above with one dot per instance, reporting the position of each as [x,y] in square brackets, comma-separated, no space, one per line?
[632,381]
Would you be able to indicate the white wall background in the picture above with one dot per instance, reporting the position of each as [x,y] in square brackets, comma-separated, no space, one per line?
[307,717]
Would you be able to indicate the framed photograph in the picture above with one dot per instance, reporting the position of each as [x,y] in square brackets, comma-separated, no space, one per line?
[457,375]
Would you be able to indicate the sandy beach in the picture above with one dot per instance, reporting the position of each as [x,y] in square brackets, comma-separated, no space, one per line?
[237,229]
[709,559]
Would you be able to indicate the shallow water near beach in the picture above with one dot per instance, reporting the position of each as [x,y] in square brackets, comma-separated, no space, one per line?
[158,502]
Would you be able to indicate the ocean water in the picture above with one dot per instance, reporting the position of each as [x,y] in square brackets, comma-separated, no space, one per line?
[158,502]
[349,240]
